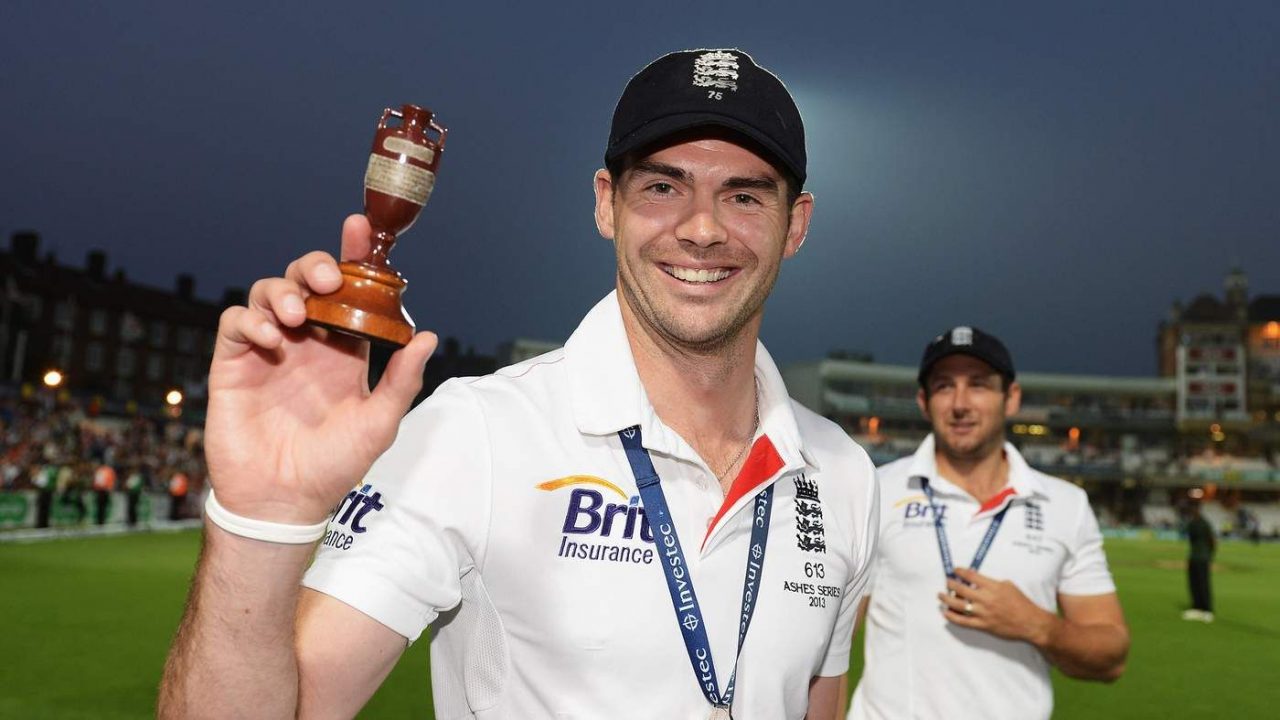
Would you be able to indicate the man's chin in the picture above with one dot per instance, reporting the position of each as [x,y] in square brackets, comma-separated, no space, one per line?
[963,449]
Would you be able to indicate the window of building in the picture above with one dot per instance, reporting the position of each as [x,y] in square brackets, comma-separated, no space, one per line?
[60,350]
[130,327]
[186,339]
[98,321]
[64,314]
[159,333]
[125,363]
[93,357]
[155,366]
[35,307]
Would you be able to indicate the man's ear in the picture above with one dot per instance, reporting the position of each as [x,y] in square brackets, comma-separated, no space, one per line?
[1013,399]
[798,227]
[604,203]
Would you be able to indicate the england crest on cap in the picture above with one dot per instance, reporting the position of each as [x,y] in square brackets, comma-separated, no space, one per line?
[962,336]
[716,69]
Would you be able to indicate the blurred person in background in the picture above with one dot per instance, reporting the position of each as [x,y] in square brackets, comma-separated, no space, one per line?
[133,487]
[69,491]
[179,486]
[104,482]
[1203,545]
[45,480]
[944,640]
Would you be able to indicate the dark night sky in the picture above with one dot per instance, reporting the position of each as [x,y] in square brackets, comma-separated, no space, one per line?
[1057,176]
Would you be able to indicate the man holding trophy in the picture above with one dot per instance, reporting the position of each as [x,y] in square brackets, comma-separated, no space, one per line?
[639,525]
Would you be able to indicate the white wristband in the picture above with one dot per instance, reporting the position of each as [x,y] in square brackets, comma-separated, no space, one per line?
[261,529]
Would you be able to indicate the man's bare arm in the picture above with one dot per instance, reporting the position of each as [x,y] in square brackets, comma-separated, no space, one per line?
[824,698]
[251,646]
[842,697]
[1090,640]
[233,655]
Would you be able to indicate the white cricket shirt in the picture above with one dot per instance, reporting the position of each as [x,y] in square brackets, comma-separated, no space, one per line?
[919,665]
[506,516]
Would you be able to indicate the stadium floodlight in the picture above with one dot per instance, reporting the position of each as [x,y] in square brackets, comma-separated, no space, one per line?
[174,398]
[53,379]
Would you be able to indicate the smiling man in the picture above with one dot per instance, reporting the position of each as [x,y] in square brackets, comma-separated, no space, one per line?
[988,571]
[640,525]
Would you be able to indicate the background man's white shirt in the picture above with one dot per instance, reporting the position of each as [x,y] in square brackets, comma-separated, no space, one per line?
[918,665]
[506,514]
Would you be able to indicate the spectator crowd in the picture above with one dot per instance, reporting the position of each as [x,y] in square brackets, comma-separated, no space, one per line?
[76,458]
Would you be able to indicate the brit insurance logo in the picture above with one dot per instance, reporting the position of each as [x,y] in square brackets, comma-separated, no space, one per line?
[916,510]
[601,523]
[350,516]
[810,532]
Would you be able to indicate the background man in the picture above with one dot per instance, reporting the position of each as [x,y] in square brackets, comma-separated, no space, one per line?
[518,513]
[1203,544]
[1024,546]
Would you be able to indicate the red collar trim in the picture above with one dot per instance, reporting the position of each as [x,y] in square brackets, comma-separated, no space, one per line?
[762,463]
[996,501]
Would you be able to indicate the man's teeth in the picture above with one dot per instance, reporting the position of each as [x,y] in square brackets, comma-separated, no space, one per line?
[697,276]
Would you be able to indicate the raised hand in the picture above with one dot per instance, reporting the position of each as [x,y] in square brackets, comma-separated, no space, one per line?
[292,424]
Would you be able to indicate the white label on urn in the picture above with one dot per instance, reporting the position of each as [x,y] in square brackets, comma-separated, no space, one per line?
[398,179]
[404,147]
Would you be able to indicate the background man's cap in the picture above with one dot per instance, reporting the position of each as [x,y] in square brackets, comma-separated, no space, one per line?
[966,340]
[696,88]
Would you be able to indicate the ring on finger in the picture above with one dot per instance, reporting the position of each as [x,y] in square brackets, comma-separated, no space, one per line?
[968,607]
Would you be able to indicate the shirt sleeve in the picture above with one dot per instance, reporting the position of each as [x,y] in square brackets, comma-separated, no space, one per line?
[398,543]
[865,539]
[1085,571]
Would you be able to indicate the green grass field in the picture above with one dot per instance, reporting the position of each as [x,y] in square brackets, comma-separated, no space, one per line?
[84,626]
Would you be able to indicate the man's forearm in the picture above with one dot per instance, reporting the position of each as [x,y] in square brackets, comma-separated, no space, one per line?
[1084,652]
[233,655]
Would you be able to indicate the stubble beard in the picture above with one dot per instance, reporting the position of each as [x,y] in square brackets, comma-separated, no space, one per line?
[979,450]
[663,320]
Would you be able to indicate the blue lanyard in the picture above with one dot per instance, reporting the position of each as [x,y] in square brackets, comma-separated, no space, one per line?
[680,583]
[944,548]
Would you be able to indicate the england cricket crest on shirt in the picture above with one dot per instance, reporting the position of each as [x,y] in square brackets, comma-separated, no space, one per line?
[1034,517]
[810,533]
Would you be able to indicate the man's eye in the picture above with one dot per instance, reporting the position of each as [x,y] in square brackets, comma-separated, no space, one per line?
[661,188]
[744,199]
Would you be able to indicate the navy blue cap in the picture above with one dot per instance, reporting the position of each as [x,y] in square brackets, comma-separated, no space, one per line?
[967,340]
[698,88]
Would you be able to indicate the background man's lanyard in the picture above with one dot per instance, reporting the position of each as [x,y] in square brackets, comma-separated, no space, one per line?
[680,583]
[944,548]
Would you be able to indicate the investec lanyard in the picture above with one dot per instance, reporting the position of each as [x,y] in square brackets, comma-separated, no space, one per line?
[944,548]
[680,583]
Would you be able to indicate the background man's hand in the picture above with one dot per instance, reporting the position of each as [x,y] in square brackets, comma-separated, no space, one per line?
[995,606]
[292,424]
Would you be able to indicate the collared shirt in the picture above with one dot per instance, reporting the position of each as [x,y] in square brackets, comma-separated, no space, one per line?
[919,665]
[506,516]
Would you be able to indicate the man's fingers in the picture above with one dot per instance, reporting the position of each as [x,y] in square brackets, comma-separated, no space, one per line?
[960,618]
[960,589]
[241,328]
[279,299]
[402,379]
[952,602]
[357,237]
[971,576]
[316,272]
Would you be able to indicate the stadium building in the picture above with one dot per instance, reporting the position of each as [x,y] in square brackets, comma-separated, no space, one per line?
[1207,426]
[118,341]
